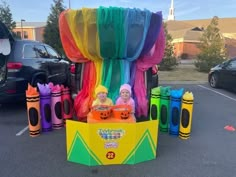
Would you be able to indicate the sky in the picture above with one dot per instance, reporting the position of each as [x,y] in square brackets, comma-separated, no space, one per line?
[38,11]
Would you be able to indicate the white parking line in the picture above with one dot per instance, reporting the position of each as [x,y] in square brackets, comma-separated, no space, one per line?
[22,131]
[217,92]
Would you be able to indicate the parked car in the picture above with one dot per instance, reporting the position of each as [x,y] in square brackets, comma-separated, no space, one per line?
[223,75]
[30,62]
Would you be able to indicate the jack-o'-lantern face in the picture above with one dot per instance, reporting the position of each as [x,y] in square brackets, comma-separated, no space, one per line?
[104,115]
[124,115]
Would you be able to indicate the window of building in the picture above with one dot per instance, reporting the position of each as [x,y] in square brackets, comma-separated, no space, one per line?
[18,34]
[26,35]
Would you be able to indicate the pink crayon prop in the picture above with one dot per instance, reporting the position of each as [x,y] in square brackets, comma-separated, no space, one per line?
[56,107]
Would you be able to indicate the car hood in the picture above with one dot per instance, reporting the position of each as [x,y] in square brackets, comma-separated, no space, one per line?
[6,41]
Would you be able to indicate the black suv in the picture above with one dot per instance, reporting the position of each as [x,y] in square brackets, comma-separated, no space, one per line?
[28,62]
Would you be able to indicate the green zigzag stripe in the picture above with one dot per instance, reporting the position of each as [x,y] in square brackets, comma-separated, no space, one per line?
[146,134]
[91,153]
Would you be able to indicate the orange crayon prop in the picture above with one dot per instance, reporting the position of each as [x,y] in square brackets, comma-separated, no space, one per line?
[32,98]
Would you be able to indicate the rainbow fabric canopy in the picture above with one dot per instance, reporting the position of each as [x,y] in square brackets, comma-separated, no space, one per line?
[117,46]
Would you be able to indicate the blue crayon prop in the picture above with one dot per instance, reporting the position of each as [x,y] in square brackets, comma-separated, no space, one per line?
[175,109]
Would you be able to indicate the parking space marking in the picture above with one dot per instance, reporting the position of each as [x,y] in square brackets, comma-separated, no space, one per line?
[22,131]
[217,92]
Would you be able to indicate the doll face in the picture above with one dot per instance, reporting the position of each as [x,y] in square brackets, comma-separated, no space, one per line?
[125,94]
[102,96]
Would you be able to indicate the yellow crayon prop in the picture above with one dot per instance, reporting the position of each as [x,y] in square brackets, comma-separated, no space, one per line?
[186,115]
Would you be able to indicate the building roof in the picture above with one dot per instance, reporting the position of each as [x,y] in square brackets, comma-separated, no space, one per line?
[191,30]
[174,25]
[187,34]
[226,25]
[192,35]
[31,24]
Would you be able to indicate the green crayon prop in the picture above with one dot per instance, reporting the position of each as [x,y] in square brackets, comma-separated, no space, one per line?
[155,103]
[165,109]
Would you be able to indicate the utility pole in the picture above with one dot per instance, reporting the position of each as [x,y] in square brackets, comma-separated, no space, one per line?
[22,32]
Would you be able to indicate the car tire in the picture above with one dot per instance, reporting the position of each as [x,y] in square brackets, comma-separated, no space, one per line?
[214,80]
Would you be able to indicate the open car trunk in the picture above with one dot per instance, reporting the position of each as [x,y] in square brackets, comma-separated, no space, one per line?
[6,41]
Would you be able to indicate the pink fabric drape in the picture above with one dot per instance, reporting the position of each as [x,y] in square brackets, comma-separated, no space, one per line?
[142,64]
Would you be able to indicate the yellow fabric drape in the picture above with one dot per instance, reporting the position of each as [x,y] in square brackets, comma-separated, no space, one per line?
[82,24]
[91,41]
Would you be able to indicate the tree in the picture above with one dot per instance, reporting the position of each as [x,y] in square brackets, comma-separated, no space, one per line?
[6,16]
[212,48]
[169,60]
[51,32]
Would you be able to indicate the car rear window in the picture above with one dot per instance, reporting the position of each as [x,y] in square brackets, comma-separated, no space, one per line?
[29,51]
[52,53]
[41,51]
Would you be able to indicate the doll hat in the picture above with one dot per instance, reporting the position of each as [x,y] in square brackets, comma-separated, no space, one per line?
[100,89]
[126,87]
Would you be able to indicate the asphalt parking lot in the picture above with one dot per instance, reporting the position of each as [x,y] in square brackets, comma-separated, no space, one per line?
[209,152]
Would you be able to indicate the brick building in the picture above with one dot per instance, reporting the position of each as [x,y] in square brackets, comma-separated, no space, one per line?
[30,30]
[186,35]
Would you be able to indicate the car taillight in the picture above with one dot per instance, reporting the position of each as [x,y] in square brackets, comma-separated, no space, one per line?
[14,65]
[72,68]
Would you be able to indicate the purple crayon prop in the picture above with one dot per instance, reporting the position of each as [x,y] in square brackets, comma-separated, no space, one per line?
[56,107]
[45,107]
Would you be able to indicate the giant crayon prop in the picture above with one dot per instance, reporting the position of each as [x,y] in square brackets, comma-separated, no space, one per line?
[155,103]
[67,104]
[32,99]
[56,107]
[165,109]
[186,115]
[45,107]
[175,108]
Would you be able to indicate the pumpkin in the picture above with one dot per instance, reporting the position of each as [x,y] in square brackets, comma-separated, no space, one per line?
[121,111]
[101,112]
